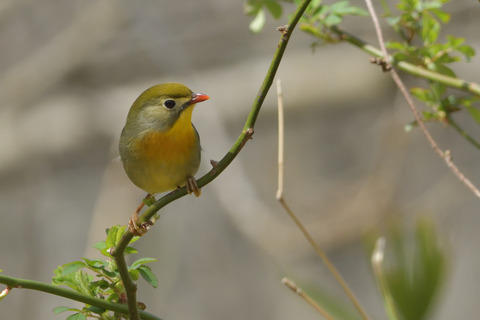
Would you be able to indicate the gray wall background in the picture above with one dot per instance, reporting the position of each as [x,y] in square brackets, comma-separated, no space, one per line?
[69,71]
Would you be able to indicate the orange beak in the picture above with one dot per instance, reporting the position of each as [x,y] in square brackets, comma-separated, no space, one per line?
[198,97]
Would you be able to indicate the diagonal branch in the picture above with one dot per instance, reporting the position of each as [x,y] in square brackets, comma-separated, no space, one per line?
[14,283]
[445,155]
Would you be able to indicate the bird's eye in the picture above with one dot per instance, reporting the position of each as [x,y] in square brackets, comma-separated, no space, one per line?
[169,104]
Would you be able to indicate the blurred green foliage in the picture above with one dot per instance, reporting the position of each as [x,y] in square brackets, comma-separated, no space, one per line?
[414,268]
[418,24]
[107,283]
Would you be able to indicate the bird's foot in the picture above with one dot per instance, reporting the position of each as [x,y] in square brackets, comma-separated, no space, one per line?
[136,227]
[192,187]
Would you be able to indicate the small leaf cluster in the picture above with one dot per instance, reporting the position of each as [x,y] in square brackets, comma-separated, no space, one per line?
[442,104]
[419,25]
[100,278]
[319,18]
[257,8]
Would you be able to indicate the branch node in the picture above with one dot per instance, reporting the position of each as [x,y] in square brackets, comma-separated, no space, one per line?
[214,166]
[284,31]
[447,155]
[249,133]
[381,62]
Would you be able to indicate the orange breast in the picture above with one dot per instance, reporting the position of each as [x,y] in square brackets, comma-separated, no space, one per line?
[172,146]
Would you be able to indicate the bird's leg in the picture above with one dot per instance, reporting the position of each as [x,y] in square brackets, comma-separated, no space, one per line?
[134,225]
[192,187]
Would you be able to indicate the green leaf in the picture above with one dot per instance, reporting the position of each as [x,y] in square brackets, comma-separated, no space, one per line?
[58,310]
[431,29]
[454,41]
[274,8]
[357,11]
[95,263]
[422,94]
[135,239]
[443,16]
[431,5]
[83,280]
[72,267]
[395,45]
[113,297]
[148,275]
[100,245]
[134,274]
[401,56]
[130,250]
[474,113]
[141,261]
[337,7]
[77,316]
[65,280]
[258,22]
[467,51]
[438,89]
[342,8]
[417,270]
[393,21]
[102,284]
[111,237]
[441,68]
[119,234]
[332,19]
[314,3]
[251,7]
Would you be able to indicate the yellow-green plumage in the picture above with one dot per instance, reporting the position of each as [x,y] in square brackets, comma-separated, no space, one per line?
[159,146]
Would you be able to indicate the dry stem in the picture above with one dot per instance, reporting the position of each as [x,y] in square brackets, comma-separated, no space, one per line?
[292,286]
[299,224]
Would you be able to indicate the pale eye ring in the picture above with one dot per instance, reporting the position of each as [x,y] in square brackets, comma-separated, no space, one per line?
[169,104]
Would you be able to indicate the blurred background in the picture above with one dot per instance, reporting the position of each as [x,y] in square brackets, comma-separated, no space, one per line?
[69,72]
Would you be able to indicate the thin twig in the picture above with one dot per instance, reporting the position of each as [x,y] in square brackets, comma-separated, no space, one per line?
[445,155]
[280,139]
[292,286]
[461,131]
[302,228]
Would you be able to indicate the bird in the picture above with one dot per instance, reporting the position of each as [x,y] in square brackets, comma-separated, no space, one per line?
[159,146]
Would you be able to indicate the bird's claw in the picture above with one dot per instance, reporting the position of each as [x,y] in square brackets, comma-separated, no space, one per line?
[192,187]
[134,225]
